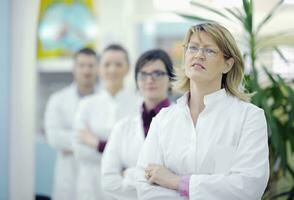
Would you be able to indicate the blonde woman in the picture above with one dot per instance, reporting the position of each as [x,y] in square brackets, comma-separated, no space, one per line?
[212,144]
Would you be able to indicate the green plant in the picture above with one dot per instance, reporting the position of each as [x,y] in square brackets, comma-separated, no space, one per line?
[276,97]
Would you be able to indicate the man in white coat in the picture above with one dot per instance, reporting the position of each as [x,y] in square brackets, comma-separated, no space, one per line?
[59,117]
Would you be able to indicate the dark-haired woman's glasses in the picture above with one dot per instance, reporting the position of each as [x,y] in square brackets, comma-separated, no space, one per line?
[155,75]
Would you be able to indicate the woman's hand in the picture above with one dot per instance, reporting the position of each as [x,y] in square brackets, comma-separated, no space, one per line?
[123,173]
[87,137]
[67,152]
[157,174]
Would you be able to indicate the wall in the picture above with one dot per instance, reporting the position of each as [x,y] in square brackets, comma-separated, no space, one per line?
[4,100]
[24,16]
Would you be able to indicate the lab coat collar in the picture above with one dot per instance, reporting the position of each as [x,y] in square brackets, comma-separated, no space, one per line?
[214,97]
[209,100]
[75,88]
[122,93]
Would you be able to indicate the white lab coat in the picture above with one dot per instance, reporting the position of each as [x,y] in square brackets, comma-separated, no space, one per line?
[226,152]
[121,153]
[100,113]
[58,123]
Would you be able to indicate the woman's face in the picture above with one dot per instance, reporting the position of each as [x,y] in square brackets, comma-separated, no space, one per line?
[153,81]
[113,68]
[204,62]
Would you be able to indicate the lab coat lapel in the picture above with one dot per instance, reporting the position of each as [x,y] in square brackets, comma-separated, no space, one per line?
[203,130]
[213,104]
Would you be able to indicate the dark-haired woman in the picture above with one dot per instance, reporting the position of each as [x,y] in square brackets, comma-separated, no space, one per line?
[153,74]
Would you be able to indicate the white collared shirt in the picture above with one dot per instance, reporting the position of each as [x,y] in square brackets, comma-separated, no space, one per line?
[59,127]
[100,113]
[226,152]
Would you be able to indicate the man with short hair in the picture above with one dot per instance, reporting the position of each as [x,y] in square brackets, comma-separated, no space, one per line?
[59,118]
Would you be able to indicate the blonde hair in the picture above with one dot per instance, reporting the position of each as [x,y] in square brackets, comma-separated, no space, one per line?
[231,81]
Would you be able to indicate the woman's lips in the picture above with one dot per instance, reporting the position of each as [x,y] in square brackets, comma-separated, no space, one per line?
[198,66]
[151,88]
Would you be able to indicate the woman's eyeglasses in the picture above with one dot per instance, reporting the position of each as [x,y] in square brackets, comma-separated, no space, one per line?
[207,52]
[155,75]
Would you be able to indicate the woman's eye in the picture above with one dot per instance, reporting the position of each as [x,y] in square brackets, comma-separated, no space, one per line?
[210,51]
[118,64]
[193,48]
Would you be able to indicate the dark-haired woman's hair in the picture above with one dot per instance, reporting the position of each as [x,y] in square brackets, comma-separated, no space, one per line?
[152,55]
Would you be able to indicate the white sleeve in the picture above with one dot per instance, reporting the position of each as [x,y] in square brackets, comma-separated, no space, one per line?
[248,177]
[113,183]
[152,153]
[58,134]
[82,152]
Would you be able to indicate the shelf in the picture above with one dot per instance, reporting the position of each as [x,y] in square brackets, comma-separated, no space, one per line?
[55,65]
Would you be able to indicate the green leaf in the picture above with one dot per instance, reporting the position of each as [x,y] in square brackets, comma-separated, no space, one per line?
[278,34]
[265,39]
[246,5]
[248,9]
[269,16]
[268,42]
[238,16]
[194,3]
[279,131]
[194,17]
[292,174]
[275,137]
[270,76]
[281,55]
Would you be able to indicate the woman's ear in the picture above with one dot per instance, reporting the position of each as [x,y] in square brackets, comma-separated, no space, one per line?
[228,65]
[170,86]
